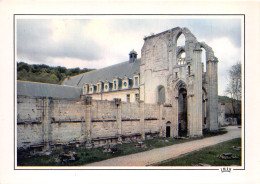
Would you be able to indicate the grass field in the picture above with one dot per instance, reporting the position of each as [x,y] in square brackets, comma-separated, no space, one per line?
[96,154]
[209,156]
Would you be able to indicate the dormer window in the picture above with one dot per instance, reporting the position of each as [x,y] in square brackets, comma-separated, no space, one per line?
[92,89]
[136,80]
[107,86]
[85,89]
[116,83]
[99,86]
[125,83]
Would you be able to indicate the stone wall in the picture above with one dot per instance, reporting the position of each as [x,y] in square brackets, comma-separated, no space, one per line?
[131,111]
[48,121]
[28,134]
[67,110]
[29,109]
[65,132]
[103,110]
[221,114]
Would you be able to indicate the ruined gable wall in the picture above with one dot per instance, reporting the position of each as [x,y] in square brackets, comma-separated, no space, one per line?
[155,66]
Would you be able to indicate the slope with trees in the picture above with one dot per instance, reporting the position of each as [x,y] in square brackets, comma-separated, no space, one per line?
[46,74]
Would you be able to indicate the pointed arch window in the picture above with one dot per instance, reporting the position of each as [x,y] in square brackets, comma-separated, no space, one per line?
[161,95]
[181,40]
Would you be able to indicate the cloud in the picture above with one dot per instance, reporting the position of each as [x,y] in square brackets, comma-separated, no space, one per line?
[209,29]
[228,54]
[39,39]
[115,41]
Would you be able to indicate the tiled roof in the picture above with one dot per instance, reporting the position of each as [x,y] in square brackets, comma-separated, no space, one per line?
[108,73]
[47,90]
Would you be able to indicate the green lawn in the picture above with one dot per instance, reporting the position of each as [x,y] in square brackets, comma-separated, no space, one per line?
[209,156]
[96,154]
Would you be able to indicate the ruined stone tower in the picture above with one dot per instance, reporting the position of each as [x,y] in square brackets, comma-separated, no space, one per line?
[168,77]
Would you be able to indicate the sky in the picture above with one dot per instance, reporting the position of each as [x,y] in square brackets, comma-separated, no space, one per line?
[97,42]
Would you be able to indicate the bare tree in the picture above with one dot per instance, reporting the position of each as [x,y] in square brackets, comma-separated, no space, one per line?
[234,87]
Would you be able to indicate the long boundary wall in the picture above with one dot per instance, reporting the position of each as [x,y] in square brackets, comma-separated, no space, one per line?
[46,122]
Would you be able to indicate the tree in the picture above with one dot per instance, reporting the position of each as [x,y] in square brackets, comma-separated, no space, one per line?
[46,74]
[54,79]
[234,88]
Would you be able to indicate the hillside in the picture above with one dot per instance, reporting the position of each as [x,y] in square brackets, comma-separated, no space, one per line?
[46,74]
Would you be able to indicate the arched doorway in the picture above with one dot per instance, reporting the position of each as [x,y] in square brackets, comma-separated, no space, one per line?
[182,112]
[168,129]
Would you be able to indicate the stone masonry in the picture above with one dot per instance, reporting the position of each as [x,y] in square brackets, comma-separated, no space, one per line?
[60,121]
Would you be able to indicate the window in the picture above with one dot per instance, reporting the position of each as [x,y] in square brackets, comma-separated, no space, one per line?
[106,87]
[176,74]
[128,97]
[188,70]
[125,84]
[181,58]
[137,97]
[181,40]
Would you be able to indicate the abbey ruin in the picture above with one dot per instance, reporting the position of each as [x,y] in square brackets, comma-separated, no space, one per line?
[165,93]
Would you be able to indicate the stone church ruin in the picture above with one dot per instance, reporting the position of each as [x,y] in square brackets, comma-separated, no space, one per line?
[165,93]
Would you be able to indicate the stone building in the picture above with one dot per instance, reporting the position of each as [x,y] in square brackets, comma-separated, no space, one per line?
[165,92]
[163,75]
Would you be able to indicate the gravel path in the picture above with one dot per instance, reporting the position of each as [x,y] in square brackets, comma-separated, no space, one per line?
[160,154]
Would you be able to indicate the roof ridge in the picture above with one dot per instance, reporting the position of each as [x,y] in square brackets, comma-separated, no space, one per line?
[46,83]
